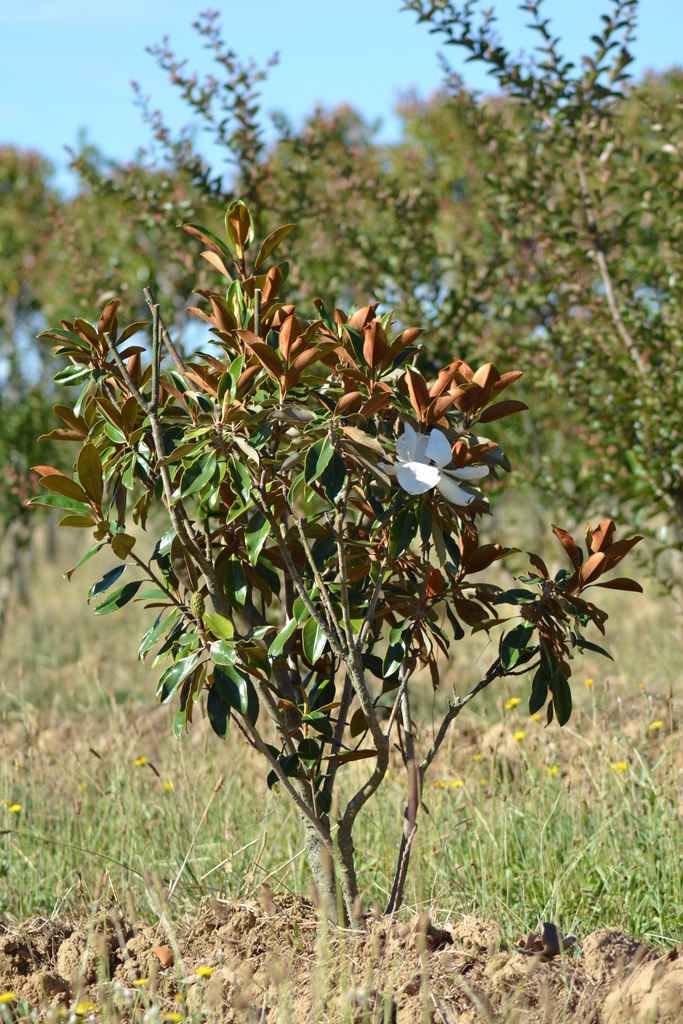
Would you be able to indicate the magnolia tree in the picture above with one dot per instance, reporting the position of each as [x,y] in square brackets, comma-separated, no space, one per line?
[320,546]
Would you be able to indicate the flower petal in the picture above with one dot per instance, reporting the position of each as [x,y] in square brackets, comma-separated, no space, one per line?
[451,492]
[471,472]
[406,444]
[416,477]
[438,449]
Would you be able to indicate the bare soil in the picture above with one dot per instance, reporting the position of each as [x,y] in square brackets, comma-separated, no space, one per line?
[270,960]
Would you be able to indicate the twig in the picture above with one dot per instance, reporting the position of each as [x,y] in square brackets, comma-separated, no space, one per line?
[166,337]
[629,342]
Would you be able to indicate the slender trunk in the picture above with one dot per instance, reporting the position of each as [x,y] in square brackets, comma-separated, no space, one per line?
[321,863]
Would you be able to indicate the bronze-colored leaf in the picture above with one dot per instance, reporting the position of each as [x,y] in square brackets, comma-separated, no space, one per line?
[89,465]
[538,564]
[287,335]
[417,389]
[592,568]
[484,556]
[501,409]
[362,316]
[377,402]
[350,755]
[349,404]
[107,319]
[602,535]
[622,583]
[615,552]
[569,545]
[505,380]
[374,344]
[303,360]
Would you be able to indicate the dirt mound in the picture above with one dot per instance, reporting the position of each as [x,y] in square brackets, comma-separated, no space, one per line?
[270,960]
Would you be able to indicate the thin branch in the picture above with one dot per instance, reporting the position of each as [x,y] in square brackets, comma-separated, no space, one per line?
[177,514]
[322,589]
[453,711]
[165,336]
[626,337]
[372,606]
[303,806]
[280,540]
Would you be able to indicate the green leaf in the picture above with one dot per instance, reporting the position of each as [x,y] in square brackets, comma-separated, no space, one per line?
[61,502]
[72,375]
[255,535]
[271,243]
[196,476]
[289,767]
[179,722]
[393,659]
[333,479]
[318,457]
[562,698]
[314,641]
[514,644]
[237,692]
[221,627]
[403,532]
[118,598]
[92,550]
[222,653]
[239,479]
[89,466]
[218,712]
[116,435]
[235,583]
[588,645]
[320,721]
[277,646]
[515,596]
[174,676]
[309,752]
[107,581]
[539,690]
[155,632]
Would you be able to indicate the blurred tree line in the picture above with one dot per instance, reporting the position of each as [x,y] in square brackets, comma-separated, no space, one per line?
[541,224]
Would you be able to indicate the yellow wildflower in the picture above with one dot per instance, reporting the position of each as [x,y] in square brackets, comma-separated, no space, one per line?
[655,725]
[140,761]
[512,703]
[82,1008]
[553,770]
[14,808]
[536,717]
[589,683]
[173,1016]
[204,972]
[167,786]
[7,997]
[619,766]
[519,735]
[138,982]
[477,757]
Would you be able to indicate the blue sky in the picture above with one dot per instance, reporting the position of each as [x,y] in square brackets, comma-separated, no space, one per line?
[67,64]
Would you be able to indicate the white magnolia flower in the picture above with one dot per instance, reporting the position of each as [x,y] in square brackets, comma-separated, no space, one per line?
[420,462]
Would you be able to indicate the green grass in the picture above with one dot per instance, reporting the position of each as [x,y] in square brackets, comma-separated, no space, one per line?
[540,827]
